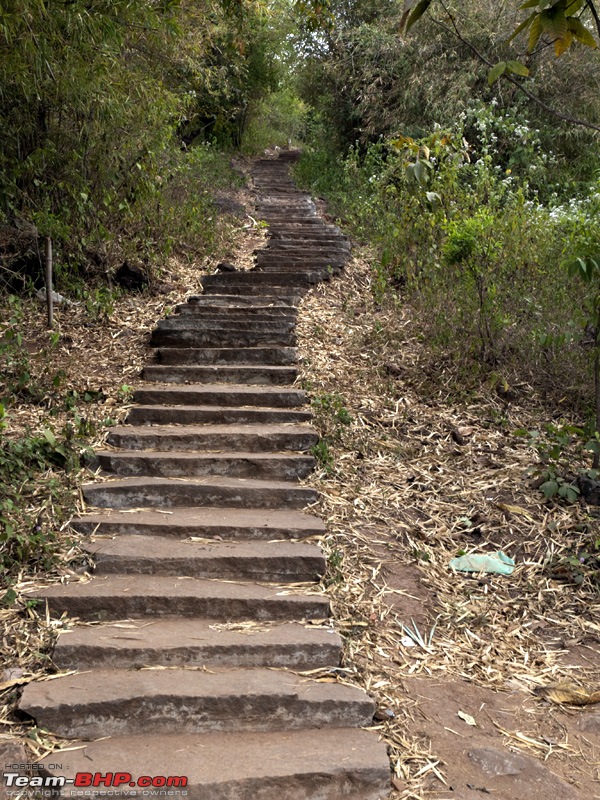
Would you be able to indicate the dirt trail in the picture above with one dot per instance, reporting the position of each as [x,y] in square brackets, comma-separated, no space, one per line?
[412,478]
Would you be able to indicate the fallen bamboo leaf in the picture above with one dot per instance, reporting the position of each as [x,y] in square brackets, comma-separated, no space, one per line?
[568,694]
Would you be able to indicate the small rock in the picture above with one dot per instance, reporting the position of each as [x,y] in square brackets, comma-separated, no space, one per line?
[393,369]
[383,715]
[590,490]
[525,772]
[498,762]
[57,299]
[131,277]
[225,267]
[589,722]
[13,753]
[12,673]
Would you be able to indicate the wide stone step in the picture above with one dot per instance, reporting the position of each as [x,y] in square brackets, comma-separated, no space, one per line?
[308,255]
[289,229]
[280,231]
[276,466]
[250,280]
[273,562]
[196,336]
[266,356]
[120,702]
[273,263]
[245,438]
[180,322]
[186,642]
[308,764]
[295,242]
[196,415]
[223,313]
[215,394]
[170,492]
[227,524]
[261,301]
[215,373]
[119,597]
[256,290]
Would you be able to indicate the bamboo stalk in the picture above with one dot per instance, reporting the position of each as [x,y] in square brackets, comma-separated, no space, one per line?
[49,303]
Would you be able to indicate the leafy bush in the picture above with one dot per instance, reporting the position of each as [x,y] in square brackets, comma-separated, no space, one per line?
[469,240]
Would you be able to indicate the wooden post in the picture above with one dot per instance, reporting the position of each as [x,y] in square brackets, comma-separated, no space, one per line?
[49,281]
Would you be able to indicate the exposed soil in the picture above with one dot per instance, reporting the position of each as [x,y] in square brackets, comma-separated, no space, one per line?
[415,478]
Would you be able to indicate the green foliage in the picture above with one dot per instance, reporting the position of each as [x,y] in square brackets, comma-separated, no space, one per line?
[322,453]
[33,495]
[331,405]
[562,449]
[555,19]
[580,565]
[99,107]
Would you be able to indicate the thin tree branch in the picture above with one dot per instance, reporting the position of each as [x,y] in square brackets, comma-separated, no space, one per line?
[534,98]
[590,4]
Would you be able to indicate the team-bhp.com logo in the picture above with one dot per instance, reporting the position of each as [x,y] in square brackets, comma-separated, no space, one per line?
[97,784]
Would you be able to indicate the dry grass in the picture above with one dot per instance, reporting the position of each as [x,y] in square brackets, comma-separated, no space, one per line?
[402,494]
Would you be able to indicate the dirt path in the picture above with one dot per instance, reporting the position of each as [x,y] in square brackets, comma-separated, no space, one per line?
[410,479]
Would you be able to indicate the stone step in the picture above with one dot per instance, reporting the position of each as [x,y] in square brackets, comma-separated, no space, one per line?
[313,764]
[223,313]
[285,218]
[170,492]
[198,415]
[244,438]
[215,373]
[265,466]
[298,202]
[310,239]
[262,301]
[252,290]
[303,247]
[222,323]
[273,562]
[119,597]
[185,642]
[267,356]
[102,703]
[281,231]
[227,524]
[278,264]
[289,229]
[235,280]
[289,253]
[196,336]
[227,396]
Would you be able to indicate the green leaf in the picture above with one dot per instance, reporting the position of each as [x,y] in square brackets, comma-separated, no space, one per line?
[554,22]
[49,437]
[417,13]
[9,598]
[517,68]
[574,6]
[496,71]
[581,33]
[521,27]
[549,488]
[534,33]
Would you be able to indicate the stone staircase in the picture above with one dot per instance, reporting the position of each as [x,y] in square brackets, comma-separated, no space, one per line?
[205,593]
